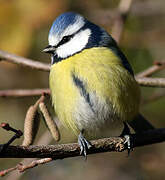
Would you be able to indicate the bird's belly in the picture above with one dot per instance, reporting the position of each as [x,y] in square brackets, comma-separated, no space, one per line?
[77,114]
[97,119]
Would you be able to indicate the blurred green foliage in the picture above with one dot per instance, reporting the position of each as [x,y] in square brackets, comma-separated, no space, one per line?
[24,27]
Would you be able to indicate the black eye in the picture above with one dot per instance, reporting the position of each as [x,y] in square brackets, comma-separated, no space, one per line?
[65,39]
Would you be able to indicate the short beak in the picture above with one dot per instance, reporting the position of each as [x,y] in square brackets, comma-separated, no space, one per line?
[49,49]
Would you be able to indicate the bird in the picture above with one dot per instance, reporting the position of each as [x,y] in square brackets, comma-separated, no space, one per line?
[91,81]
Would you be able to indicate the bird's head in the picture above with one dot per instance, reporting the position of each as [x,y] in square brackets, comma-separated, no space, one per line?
[71,33]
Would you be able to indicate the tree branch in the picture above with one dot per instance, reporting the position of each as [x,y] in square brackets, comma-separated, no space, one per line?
[18,134]
[151,82]
[23,61]
[62,151]
[28,163]
[122,14]
[158,65]
[23,92]
[143,81]
[33,164]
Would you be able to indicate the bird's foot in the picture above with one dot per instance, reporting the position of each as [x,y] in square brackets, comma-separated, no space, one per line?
[84,145]
[128,138]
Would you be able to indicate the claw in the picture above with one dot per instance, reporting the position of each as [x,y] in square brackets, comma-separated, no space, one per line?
[129,143]
[84,145]
[128,140]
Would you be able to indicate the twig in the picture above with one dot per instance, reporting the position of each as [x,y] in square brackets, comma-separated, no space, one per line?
[71,150]
[44,139]
[33,164]
[23,92]
[21,168]
[151,82]
[6,171]
[158,65]
[18,134]
[123,11]
[7,127]
[23,61]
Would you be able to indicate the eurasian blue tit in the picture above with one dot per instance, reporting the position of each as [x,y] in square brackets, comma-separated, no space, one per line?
[92,83]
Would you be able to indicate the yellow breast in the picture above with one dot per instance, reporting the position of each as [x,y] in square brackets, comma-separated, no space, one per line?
[103,75]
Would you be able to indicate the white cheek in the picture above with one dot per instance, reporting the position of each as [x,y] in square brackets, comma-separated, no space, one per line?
[76,44]
[53,40]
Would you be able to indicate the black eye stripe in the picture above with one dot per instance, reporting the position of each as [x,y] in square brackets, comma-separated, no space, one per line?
[64,40]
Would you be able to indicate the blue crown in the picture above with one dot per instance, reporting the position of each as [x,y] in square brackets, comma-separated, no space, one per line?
[62,22]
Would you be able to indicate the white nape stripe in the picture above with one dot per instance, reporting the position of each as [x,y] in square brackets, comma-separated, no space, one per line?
[71,29]
[76,44]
